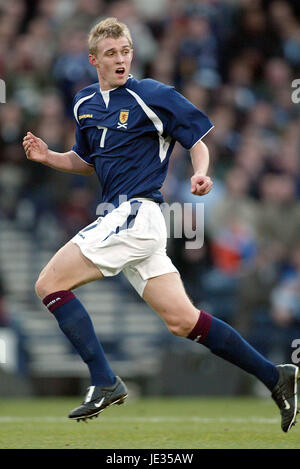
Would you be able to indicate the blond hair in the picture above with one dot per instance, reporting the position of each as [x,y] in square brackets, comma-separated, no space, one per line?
[110,27]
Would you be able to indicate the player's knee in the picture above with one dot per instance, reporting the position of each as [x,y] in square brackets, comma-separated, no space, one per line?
[40,287]
[182,327]
[43,287]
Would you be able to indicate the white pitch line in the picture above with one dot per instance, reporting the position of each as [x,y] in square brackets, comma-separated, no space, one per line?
[56,419]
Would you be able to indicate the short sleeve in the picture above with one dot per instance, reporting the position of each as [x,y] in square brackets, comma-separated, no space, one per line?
[181,119]
[81,147]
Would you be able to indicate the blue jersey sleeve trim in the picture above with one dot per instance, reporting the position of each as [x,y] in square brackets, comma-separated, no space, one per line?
[199,139]
[181,120]
[89,164]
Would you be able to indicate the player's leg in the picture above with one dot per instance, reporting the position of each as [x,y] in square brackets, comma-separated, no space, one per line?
[166,295]
[67,270]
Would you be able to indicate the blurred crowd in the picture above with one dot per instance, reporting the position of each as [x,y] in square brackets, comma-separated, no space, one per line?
[235,60]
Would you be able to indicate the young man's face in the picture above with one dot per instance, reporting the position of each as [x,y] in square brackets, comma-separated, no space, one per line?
[112,61]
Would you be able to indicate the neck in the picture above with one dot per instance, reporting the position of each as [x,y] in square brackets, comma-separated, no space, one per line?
[106,86]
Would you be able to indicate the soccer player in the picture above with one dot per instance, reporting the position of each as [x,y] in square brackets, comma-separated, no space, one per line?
[125,132]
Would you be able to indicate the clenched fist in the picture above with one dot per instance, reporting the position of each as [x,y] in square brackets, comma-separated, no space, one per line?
[200,185]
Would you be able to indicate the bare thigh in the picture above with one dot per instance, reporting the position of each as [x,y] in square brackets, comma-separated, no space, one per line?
[166,295]
[68,269]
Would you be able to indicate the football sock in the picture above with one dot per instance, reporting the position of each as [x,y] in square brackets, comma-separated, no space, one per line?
[77,326]
[227,343]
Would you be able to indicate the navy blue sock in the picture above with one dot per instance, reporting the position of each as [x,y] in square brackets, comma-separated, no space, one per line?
[227,343]
[77,326]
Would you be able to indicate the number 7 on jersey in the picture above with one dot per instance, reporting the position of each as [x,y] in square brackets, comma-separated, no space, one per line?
[104,129]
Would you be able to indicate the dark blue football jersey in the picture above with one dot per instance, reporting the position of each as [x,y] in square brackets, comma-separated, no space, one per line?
[128,134]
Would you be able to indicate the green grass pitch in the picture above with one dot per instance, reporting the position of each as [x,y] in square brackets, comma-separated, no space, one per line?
[160,423]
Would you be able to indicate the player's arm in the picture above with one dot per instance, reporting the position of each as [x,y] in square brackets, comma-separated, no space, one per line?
[201,184]
[37,150]
[186,124]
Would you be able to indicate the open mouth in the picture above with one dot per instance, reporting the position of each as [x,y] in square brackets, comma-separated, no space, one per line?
[120,71]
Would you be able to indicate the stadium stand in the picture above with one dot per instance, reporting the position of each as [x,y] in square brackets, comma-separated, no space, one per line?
[236,61]
[133,350]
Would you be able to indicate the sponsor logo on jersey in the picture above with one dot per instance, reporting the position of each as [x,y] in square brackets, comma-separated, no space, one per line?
[123,118]
[84,116]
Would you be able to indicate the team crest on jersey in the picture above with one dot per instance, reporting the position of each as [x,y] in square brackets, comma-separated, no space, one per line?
[123,118]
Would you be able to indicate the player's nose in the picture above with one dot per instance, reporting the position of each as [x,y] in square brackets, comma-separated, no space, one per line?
[119,58]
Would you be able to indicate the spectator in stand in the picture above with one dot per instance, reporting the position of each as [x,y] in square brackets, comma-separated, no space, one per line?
[279,211]
[234,205]
[286,295]
[283,19]
[84,15]
[285,304]
[252,314]
[74,211]
[145,47]
[72,69]
[198,54]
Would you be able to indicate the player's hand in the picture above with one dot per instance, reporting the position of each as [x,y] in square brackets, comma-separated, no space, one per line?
[200,185]
[35,148]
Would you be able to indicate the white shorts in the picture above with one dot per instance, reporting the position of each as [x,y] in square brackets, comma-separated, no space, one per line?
[131,238]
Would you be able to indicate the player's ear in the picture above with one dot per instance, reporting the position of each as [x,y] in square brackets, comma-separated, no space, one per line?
[93,60]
